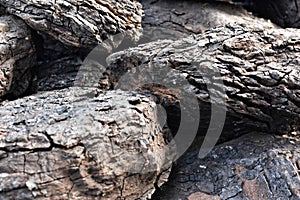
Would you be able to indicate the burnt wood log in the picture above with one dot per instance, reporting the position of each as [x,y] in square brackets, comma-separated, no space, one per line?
[82,144]
[163,19]
[259,69]
[17,56]
[255,166]
[80,23]
[181,18]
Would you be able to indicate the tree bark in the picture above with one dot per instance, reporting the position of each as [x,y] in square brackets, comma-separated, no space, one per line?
[80,23]
[57,63]
[259,68]
[81,144]
[255,166]
[182,18]
[17,56]
[162,20]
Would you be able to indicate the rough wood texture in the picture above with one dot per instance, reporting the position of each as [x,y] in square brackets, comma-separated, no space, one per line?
[259,68]
[163,19]
[17,56]
[256,166]
[79,23]
[181,18]
[68,144]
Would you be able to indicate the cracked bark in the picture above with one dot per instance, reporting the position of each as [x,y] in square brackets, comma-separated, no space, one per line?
[259,68]
[17,56]
[80,23]
[255,166]
[182,18]
[82,144]
[57,64]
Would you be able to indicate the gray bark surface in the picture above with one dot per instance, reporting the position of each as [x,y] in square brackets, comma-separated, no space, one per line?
[162,19]
[182,18]
[256,166]
[82,144]
[259,68]
[80,23]
[17,56]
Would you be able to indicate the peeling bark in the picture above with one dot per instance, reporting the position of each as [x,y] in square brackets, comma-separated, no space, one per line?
[259,68]
[79,23]
[81,144]
[255,166]
[17,56]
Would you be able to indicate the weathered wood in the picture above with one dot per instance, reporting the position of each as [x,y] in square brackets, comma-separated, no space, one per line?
[259,68]
[181,18]
[255,166]
[80,23]
[82,144]
[162,20]
[17,56]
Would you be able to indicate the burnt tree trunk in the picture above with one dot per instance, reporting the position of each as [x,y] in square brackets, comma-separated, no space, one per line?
[17,56]
[181,18]
[163,19]
[256,166]
[80,23]
[259,68]
[82,144]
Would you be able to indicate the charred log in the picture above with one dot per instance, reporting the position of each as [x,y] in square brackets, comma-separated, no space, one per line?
[259,69]
[255,166]
[81,144]
[80,23]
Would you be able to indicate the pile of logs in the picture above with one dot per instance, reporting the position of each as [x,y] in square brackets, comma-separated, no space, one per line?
[61,140]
